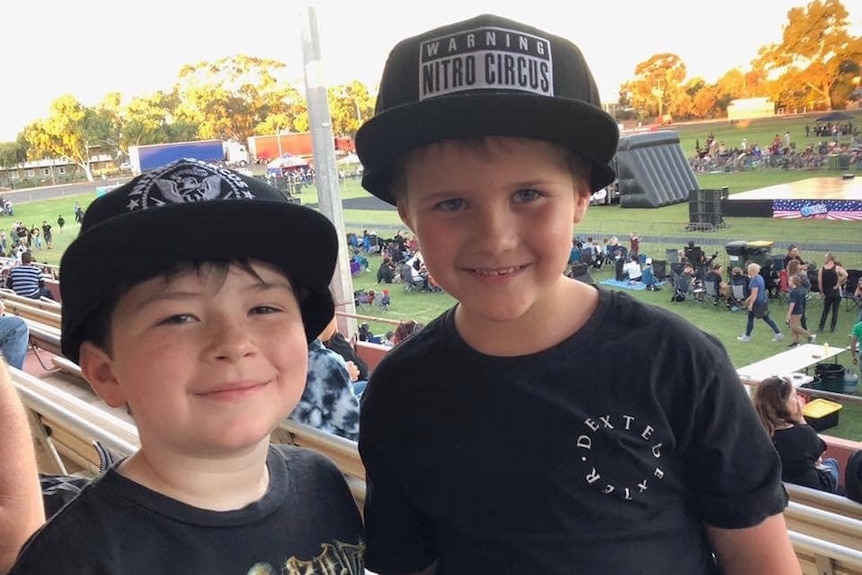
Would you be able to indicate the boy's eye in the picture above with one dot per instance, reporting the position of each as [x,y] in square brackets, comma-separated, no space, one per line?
[451,205]
[526,196]
[264,309]
[177,319]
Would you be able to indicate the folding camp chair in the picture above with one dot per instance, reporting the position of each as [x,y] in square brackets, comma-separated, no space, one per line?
[685,287]
[783,287]
[737,293]
[850,300]
[711,289]
[363,298]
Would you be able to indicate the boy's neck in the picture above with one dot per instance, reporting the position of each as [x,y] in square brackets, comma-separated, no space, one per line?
[561,313]
[213,484]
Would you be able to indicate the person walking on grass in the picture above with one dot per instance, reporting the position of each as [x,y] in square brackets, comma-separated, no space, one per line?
[757,304]
[796,310]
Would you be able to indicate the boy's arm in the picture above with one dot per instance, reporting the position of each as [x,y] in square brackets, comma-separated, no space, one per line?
[752,297]
[21,510]
[764,549]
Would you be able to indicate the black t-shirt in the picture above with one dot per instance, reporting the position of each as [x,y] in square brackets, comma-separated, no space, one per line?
[342,347]
[603,454]
[306,522]
[799,448]
[830,282]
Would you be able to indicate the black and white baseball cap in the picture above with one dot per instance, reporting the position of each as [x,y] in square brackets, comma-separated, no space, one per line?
[487,76]
[189,211]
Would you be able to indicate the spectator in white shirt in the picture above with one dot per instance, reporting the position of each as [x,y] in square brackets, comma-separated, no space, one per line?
[632,269]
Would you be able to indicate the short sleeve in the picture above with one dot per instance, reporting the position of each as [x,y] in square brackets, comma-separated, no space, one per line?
[731,465]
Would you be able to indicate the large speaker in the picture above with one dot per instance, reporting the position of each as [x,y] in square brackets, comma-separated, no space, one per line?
[704,207]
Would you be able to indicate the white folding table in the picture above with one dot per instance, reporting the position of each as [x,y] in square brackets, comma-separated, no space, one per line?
[787,363]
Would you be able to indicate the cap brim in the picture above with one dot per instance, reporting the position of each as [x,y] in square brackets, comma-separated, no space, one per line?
[133,247]
[580,127]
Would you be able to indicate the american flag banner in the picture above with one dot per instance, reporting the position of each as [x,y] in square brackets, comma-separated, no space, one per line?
[845,210]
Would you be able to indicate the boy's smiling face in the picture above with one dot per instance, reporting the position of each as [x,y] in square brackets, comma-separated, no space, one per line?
[494,220]
[208,362]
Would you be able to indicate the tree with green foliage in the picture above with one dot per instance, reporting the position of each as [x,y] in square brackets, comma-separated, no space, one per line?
[151,119]
[72,131]
[13,153]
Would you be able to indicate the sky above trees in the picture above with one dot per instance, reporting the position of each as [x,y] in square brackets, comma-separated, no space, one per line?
[89,48]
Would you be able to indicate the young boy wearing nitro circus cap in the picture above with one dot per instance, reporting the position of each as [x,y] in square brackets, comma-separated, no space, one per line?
[205,341]
[494,440]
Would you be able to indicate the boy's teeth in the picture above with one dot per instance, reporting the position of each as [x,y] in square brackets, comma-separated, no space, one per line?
[495,272]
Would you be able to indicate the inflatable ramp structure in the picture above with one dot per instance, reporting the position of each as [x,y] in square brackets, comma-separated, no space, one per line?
[652,170]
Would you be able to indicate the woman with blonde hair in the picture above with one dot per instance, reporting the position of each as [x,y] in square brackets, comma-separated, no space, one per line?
[796,442]
[757,304]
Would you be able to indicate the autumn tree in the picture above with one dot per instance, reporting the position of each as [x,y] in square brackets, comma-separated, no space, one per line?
[232,97]
[288,114]
[349,105]
[657,86]
[71,131]
[816,52]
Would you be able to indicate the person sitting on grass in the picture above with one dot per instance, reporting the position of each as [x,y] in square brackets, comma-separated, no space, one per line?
[796,442]
[632,269]
[648,276]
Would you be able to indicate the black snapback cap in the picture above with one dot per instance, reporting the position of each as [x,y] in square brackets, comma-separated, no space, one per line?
[487,76]
[189,211]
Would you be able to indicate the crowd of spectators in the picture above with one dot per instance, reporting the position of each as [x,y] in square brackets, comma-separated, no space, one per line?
[781,152]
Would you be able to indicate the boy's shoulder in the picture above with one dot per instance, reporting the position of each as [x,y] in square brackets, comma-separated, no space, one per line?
[112,508]
[616,316]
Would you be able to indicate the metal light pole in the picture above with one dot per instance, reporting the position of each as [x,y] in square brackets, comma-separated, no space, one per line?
[325,167]
[278,141]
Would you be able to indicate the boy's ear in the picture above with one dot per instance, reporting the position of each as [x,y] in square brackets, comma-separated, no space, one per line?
[404,214]
[97,367]
[582,199]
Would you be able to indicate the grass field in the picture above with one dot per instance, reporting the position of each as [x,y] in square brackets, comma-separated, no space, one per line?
[659,229]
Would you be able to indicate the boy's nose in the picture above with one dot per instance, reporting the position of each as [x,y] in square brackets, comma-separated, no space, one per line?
[495,231]
[230,340]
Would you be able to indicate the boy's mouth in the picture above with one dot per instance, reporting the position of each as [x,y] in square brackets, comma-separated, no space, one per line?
[496,271]
[233,390]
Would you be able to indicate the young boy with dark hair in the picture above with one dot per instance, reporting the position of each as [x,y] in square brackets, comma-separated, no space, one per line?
[204,340]
[493,440]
